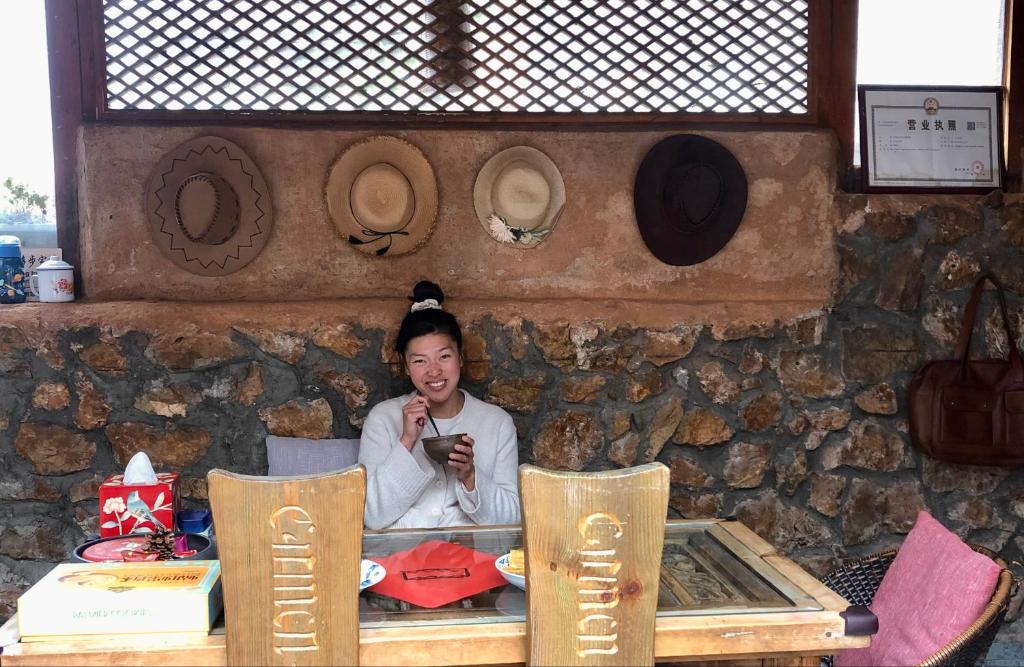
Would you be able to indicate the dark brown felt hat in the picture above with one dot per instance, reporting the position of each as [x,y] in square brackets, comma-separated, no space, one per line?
[690,195]
[208,207]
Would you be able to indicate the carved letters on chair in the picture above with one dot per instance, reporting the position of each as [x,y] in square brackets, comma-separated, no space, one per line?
[294,553]
[598,586]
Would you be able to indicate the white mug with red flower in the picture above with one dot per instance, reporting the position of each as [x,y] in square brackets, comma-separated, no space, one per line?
[54,281]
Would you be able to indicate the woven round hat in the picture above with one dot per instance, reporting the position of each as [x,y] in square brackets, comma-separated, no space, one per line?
[382,195]
[689,196]
[518,196]
[208,207]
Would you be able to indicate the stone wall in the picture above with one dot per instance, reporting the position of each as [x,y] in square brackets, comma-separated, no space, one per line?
[796,424]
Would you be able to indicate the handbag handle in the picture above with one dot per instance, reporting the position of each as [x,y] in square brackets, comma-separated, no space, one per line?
[963,343]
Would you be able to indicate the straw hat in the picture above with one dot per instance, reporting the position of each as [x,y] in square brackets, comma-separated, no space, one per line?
[690,195]
[208,207]
[518,196]
[382,195]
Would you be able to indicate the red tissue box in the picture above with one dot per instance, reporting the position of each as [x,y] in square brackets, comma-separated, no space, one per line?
[129,508]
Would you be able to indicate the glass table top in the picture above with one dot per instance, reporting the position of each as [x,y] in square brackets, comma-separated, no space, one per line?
[704,571]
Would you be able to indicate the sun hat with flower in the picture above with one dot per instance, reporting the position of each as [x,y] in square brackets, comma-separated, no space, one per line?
[518,196]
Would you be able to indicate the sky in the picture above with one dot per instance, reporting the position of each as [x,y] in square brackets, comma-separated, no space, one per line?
[928,42]
[26,147]
[955,42]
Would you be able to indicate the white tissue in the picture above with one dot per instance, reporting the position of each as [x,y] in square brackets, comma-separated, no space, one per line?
[139,470]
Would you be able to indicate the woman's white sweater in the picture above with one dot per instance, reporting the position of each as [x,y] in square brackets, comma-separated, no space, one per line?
[408,489]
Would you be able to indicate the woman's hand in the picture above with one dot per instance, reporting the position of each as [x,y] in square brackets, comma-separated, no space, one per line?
[414,416]
[462,461]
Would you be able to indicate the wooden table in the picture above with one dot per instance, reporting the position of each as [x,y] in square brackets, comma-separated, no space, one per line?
[726,595]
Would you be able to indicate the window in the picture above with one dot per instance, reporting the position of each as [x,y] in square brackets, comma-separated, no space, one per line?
[457,57]
[26,161]
[929,42]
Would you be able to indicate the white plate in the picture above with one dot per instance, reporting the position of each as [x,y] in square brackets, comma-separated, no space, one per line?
[517,580]
[370,573]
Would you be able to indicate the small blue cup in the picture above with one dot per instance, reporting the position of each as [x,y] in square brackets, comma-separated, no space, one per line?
[12,270]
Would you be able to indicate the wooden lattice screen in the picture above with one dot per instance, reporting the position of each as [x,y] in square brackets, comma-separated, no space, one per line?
[477,56]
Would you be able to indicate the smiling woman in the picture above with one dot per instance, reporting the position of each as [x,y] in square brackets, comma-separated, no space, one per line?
[405,486]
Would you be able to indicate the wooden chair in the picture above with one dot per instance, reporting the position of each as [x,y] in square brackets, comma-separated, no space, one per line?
[593,558]
[290,552]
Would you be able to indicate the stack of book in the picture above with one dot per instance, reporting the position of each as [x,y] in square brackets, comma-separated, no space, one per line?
[79,600]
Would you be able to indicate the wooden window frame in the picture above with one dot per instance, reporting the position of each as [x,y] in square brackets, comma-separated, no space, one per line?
[75,35]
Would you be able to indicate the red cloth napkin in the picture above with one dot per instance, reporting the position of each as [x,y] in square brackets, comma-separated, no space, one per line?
[435,573]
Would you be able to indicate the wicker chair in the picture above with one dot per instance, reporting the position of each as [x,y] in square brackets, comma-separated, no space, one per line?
[858,580]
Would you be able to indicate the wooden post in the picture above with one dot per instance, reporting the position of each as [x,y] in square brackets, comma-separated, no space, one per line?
[833,55]
[63,20]
[1013,81]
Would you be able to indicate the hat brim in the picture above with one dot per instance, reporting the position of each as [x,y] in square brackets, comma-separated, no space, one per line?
[407,159]
[228,161]
[483,186]
[662,235]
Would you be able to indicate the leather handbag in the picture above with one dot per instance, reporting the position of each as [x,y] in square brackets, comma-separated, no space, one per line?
[971,411]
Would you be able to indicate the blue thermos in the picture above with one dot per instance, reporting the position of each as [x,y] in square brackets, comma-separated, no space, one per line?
[12,270]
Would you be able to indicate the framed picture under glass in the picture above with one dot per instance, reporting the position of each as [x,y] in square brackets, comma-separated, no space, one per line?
[931,138]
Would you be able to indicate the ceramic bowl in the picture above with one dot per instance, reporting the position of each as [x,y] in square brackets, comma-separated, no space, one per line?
[517,580]
[439,448]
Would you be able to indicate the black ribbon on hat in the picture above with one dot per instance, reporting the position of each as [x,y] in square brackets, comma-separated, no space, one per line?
[355,240]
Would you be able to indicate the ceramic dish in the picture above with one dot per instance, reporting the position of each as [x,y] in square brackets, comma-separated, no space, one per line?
[370,573]
[517,580]
[111,549]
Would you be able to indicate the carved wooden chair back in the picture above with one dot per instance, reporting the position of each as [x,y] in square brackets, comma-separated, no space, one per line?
[593,560]
[290,551]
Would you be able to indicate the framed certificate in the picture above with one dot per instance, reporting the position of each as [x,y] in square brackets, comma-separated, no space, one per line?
[942,139]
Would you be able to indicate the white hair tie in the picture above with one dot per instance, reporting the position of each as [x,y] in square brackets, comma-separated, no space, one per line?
[426,304]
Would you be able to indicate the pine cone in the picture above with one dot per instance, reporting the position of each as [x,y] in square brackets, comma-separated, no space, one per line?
[161,542]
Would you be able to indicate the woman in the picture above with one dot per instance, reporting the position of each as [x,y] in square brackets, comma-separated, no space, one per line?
[407,489]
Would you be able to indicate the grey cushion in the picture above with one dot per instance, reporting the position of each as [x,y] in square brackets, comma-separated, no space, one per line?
[302,456]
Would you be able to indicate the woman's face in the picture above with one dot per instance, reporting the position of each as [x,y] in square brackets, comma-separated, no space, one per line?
[432,362]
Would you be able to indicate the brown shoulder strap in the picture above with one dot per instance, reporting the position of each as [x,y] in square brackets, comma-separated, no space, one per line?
[963,343]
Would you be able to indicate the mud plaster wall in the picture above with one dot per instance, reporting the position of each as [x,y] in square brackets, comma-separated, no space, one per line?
[781,254]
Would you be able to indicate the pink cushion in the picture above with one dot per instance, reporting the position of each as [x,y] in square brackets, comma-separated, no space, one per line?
[935,588]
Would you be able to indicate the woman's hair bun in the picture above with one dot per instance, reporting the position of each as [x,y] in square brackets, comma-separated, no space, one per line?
[424,290]
[427,318]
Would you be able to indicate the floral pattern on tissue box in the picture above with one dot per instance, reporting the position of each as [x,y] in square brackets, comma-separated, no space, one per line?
[130,508]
